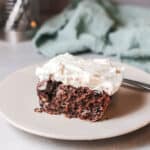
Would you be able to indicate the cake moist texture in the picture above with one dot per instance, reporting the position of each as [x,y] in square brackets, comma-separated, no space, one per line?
[73,102]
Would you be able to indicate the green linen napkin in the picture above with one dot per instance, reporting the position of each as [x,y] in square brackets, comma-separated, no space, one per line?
[76,29]
[131,41]
[94,25]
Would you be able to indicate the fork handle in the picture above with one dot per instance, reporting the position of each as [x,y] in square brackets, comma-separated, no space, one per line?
[136,84]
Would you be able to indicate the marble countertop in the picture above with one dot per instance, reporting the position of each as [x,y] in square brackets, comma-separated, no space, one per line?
[14,57]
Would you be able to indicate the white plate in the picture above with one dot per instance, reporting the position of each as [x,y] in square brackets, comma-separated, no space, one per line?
[129,111]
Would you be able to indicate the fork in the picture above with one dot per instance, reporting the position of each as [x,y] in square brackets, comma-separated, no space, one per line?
[136,84]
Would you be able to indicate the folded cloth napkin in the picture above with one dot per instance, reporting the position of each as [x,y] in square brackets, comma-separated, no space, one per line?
[76,29]
[87,25]
[131,42]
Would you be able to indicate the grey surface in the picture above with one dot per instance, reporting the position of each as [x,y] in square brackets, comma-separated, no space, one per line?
[13,57]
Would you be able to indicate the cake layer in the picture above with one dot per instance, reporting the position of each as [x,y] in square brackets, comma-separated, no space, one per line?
[74,102]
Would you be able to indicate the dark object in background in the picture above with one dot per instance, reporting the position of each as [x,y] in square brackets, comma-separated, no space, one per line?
[30,15]
[51,7]
[18,19]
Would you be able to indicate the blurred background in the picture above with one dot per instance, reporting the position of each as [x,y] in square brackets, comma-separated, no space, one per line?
[113,30]
[34,13]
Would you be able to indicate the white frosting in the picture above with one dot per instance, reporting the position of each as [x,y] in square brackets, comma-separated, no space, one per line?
[97,74]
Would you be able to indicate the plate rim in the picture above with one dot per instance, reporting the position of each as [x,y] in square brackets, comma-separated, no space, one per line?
[58,136]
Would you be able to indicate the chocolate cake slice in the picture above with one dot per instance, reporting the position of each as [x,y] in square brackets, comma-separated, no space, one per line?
[68,86]
[80,102]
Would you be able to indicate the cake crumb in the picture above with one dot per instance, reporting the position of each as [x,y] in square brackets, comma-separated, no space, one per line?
[39,110]
[118,71]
